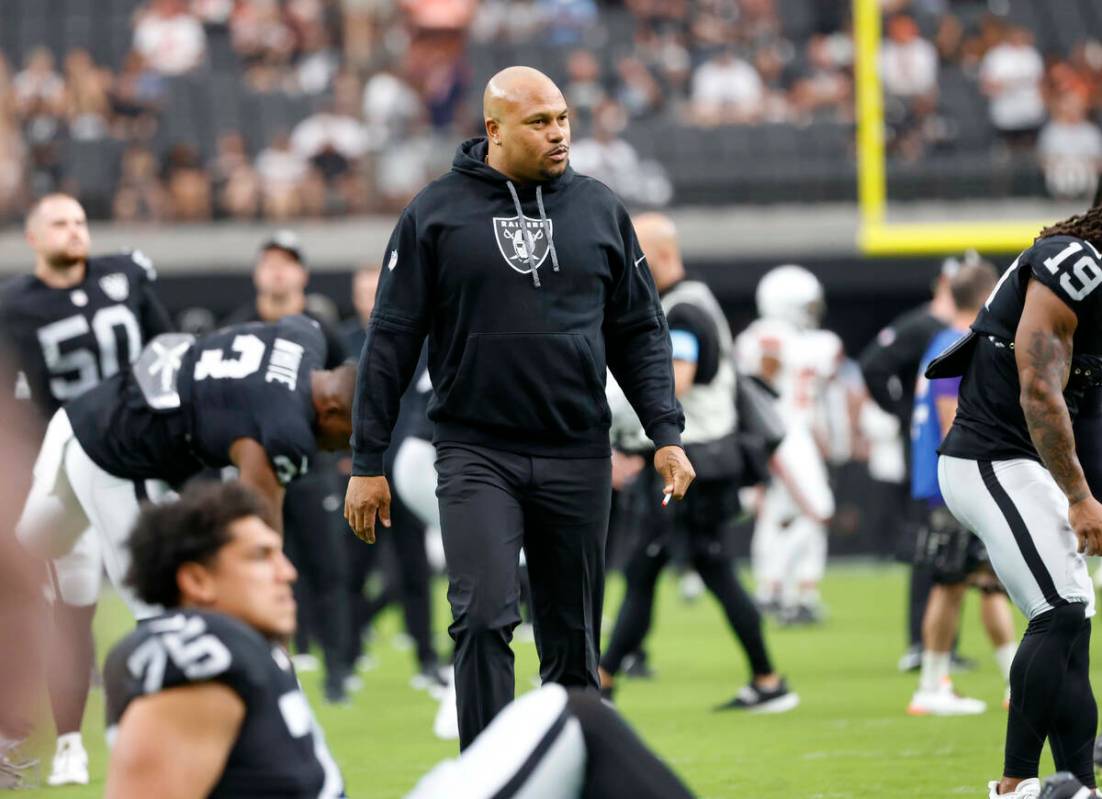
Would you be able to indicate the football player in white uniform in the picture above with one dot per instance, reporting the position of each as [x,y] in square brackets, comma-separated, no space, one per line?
[786,349]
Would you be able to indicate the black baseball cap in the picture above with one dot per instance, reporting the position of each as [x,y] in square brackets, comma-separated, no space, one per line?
[286,240]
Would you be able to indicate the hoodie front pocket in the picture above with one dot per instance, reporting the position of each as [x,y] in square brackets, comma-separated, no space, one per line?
[535,382]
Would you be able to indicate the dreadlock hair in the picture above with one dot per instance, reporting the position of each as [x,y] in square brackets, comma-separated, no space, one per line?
[1086,226]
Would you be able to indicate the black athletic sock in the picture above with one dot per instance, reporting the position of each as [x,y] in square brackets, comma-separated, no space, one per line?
[1037,701]
[1075,717]
[742,613]
[633,621]
[618,764]
[922,582]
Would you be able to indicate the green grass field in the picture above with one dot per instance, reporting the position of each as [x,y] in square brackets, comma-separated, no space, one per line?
[849,737]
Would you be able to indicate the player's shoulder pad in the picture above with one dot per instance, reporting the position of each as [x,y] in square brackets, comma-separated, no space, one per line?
[191,646]
[12,287]
[134,263]
[1070,267]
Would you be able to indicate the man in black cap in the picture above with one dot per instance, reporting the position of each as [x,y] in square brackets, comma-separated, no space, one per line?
[313,529]
[528,281]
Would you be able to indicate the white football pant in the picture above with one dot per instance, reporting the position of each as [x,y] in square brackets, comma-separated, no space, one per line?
[528,752]
[69,494]
[789,547]
[1021,515]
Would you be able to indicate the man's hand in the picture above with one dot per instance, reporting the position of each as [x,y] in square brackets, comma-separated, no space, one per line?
[1086,520]
[365,497]
[677,473]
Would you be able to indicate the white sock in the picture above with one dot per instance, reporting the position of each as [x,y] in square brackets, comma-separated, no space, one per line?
[1004,656]
[72,739]
[935,670]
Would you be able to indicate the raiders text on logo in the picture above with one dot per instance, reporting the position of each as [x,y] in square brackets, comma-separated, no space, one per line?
[513,241]
[115,286]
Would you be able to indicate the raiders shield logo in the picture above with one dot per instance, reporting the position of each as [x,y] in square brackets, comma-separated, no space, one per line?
[513,241]
[115,286]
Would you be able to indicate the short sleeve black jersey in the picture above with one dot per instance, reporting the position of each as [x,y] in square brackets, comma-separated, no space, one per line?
[280,750]
[246,381]
[990,424]
[64,341]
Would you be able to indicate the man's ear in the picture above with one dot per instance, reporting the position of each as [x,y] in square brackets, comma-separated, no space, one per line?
[195,583]
[493,129]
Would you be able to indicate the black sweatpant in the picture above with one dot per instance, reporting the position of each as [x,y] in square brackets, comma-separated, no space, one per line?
[700,520]
[313,529]
[492,503]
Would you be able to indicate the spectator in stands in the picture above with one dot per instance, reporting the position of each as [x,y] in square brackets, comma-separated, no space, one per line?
[825,89]
[1070,149]
[260,32]
[136,97]
[39,90]
[714,24]
[1010,76]
[236,185]
[908,68]
[288,188]
[12,151]
[188,184]
[334,142]
[758,21]
[318,61]
[567,21]
[12,155]
[667,55]
[583,90]
[402,169]
[771,60]
[390,106]
[169,37]
[506,21]
[89,96]
[140,197]
[615,162]
[726,90]
[638,92]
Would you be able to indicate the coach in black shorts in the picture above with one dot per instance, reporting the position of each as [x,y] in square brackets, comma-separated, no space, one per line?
[528,281]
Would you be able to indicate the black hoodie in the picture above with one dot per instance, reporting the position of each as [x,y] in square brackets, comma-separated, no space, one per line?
[521,321]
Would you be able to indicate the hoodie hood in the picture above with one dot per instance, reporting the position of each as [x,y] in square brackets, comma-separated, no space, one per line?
[470,160]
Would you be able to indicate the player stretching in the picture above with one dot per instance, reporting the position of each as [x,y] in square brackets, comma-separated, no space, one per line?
[73,322]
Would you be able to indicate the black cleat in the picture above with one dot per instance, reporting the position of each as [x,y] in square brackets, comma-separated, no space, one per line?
[753,699]
[1064,785]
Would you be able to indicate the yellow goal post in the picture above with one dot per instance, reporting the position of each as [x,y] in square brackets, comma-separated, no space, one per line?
[876,235]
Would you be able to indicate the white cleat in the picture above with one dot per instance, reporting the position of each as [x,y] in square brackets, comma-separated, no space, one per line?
[70,766]
[1027,789]
[446,724]
[944,703]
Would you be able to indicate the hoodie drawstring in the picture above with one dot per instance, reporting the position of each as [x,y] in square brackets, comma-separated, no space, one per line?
[531,248]
[545,226]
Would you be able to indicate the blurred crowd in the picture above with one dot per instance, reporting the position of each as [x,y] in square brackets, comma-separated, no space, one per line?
[384,88]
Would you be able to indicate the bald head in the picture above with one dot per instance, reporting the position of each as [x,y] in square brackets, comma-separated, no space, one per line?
[516,86]
[657,235]
[527,125]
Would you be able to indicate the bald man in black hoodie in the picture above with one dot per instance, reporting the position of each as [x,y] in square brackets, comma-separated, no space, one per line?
[528,281]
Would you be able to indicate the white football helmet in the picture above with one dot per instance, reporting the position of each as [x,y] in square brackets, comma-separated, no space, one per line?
[792,294]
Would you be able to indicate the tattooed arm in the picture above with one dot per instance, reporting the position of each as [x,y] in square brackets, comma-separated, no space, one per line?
[1043,350]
